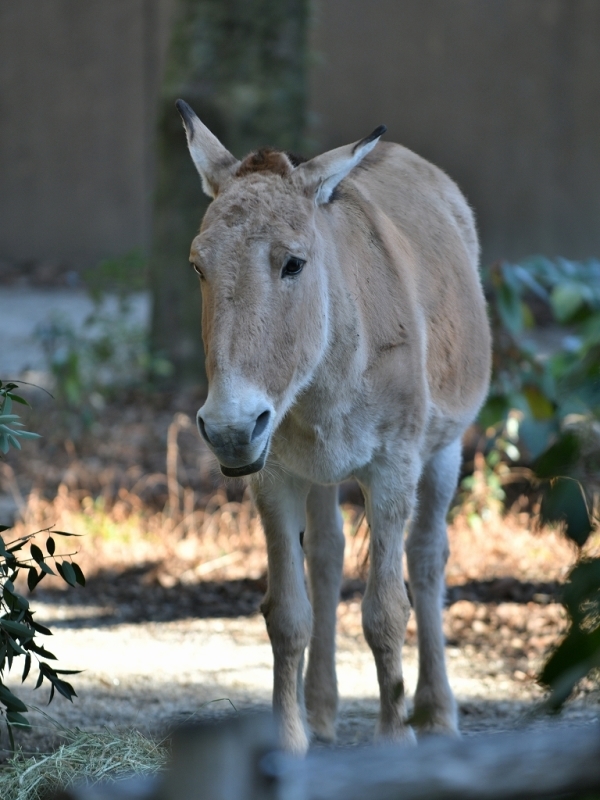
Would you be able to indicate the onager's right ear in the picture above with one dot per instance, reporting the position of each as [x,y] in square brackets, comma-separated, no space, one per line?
[213,161]
[322,173]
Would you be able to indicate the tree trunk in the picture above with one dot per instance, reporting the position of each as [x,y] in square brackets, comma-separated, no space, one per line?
[242,66]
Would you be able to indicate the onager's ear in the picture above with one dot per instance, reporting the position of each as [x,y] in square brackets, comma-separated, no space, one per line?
[213,161]
[323,173]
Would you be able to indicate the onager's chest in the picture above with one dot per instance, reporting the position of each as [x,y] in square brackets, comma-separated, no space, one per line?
[334,430]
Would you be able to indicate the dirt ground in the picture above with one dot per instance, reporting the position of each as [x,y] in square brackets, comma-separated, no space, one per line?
[168,628]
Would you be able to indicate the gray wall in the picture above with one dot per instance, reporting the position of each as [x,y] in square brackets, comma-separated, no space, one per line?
[78,86]
[503,94]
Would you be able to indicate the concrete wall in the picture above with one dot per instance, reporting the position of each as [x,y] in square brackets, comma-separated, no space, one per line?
[503,94]
[78,85]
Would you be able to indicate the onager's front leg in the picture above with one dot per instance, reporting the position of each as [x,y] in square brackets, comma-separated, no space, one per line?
[324,548]
[385,606]
[281,502]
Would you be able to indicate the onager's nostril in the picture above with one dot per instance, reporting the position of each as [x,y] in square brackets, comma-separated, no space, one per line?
[202,429]
[261,423]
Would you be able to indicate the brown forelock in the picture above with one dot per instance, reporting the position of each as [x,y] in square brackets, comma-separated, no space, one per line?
[265,160]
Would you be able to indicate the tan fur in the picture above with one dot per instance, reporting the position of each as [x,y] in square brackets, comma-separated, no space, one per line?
[371,362]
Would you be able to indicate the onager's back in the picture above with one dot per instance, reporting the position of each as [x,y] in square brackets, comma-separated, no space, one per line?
[345,335]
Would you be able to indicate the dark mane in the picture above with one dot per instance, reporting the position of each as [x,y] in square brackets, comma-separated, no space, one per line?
[268,159]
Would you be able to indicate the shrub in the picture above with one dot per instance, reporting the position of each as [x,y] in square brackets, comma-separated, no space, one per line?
[543,413]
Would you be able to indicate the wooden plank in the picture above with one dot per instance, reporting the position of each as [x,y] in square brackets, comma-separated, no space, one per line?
[236,759]
[526,764]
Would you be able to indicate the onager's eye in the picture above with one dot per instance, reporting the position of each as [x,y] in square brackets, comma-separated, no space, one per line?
[197,270]
[292,267]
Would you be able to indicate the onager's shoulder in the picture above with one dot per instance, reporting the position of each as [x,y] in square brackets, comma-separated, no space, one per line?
[408,187]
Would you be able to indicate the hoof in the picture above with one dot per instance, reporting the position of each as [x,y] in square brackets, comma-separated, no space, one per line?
[403,734]
[435,722]
[323,733]
[294,739]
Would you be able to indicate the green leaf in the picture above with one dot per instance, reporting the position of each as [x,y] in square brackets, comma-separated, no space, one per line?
[13,718]
[17,399]
[79,576]
[559,459]
[510,308]
[41,628]
[567,298]
[33,579]
[37,554]
[563,502]
[582,584]
[41,651]
[50,546]
[540,405]
[10,701]
[15,647]
[68,573]
[535,436]
[26,668]
[17,629]
[63,687]
[28,435]
[494,411]
[572,660]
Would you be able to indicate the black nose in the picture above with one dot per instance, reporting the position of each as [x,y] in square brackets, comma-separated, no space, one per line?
[261,423]
[202,429]
[242,436]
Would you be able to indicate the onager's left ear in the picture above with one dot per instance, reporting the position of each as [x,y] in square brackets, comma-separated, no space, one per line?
[213,161]
[324,172]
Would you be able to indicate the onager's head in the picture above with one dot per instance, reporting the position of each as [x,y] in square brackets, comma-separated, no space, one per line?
[262,260]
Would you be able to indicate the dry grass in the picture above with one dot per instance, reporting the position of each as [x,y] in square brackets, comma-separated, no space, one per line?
[224,539]
[84,757]
[143,488]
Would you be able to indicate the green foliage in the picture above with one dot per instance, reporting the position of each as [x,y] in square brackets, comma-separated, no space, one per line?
[11,429]
[545,390]
[111,354]
[545,319]
[545,403]
[118,276]
[19,631]
[578,653]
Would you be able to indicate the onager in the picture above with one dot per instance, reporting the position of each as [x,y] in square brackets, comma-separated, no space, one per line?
[346,335]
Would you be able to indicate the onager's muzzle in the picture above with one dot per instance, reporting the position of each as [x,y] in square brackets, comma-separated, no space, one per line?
[237,428]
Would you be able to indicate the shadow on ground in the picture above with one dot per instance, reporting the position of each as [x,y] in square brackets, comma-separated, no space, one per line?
[137,595]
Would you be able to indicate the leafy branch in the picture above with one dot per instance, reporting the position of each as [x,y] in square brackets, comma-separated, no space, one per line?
[10,425]
[19,630]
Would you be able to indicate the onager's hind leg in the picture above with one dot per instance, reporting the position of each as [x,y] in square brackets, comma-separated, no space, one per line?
[286,607]
[324,548]
[427,552]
